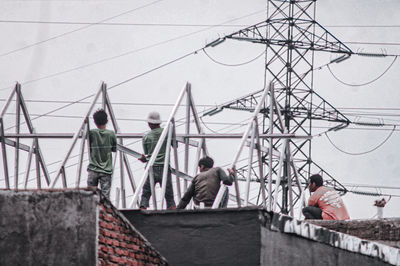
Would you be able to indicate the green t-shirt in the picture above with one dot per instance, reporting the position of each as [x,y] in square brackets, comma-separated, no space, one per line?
[149,143]
[102,143]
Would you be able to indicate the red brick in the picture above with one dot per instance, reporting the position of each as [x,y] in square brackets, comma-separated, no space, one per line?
[122,260]
[127,238]
[103,224]
[118,251]
[102,239]
[109,210]
[104,248]
[107,233]
[116,243]
[136,248]
[109,226]
[114,259]
[130,246]
[110,250]
[108,218]
[109,241]
[118,228]
[122,244]
[132,255]
[113,234]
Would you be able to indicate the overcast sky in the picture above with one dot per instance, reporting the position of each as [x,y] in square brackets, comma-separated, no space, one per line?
[73,65]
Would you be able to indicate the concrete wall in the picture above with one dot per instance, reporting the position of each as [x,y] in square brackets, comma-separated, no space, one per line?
[42,228]
[285,249]
[253,237]
[68,227]
[382,230]
[203,237]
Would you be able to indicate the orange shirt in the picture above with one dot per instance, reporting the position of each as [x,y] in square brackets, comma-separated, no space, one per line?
[330,202]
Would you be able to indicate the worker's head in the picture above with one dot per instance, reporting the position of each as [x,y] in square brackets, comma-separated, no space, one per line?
[100,118]
[206,163]
[154,120]
[315,182]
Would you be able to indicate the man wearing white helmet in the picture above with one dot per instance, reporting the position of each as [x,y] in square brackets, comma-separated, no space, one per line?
[149,142]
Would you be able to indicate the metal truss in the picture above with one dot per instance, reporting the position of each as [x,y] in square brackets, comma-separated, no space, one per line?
[34,149]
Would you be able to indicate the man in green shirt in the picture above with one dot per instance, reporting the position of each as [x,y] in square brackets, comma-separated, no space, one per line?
[149,142]
[102,143]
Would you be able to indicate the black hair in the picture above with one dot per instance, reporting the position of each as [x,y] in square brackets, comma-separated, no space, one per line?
[317,180]
[100,117]
[208,162]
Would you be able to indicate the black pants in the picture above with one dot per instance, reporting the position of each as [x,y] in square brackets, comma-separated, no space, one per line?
[312,212]
[169,193]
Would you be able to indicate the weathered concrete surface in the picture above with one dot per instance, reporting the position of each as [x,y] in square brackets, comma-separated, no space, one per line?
[253,237]
[42,228]
[202,237]
[381,230]
[287,241]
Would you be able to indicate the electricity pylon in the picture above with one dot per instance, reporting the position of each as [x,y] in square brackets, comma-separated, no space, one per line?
[291,37]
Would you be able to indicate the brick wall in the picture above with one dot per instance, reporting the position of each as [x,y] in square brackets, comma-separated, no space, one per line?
[120,243]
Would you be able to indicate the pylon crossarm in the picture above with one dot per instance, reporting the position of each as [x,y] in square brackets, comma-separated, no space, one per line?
[156,150]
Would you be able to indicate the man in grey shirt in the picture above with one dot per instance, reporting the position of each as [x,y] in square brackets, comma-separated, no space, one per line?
[205,186]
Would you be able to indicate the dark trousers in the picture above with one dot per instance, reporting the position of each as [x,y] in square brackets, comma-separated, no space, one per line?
[312,212]
[169,193]
[105,181]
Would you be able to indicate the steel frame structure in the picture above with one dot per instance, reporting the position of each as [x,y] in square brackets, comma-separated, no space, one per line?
[291,37]
[251,138]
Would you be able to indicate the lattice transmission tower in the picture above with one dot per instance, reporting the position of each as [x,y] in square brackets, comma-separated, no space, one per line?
[291,37]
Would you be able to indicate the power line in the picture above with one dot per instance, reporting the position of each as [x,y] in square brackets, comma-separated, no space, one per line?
[365,83]
[362,153]
[78,29]
[167,24]
[373,43]
[233,65]
[129,52]
[119,23]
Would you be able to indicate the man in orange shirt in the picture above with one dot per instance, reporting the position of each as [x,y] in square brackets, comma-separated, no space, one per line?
[325,203]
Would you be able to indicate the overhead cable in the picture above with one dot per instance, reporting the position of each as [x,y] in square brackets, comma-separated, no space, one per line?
[130,52]
[233,65]
[116,85]
[362,84]
[166,24]
[361,153]
[78,29]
